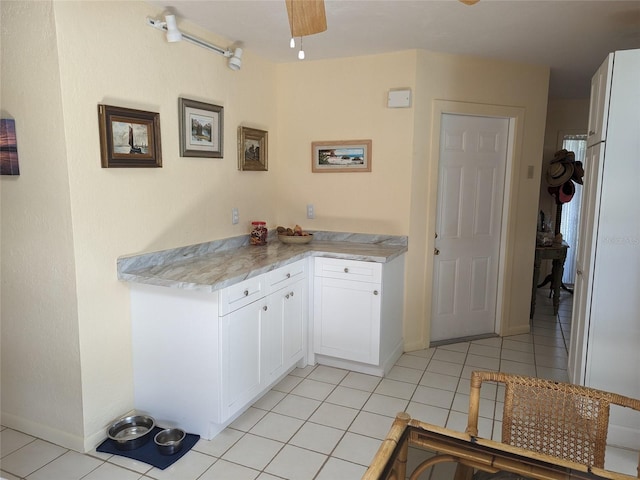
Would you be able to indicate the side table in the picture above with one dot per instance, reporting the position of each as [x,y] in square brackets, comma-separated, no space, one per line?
[558,254]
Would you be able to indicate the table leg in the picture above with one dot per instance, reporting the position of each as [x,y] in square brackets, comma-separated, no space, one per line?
[557,271]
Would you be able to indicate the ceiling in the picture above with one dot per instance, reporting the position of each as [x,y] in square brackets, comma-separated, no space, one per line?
[571,36]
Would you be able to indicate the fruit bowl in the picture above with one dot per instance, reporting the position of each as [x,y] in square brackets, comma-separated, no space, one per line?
[295,239]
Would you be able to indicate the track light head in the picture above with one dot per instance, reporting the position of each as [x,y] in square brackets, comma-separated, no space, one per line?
[235,61]
[173,34]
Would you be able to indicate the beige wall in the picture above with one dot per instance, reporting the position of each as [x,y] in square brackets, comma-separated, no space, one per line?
[106,54]
[41,361]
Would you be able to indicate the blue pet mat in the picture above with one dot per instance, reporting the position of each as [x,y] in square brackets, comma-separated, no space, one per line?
[148,453]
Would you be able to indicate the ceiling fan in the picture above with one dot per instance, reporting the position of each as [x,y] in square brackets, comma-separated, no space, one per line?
[306,17]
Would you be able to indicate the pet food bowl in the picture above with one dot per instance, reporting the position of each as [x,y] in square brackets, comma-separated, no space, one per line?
[169,441]
[129,433]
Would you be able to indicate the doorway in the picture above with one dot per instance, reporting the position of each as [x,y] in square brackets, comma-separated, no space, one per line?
[469,214]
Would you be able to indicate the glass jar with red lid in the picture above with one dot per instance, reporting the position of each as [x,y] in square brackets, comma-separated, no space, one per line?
[258,233]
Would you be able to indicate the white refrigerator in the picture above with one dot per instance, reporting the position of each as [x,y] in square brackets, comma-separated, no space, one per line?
[604,348]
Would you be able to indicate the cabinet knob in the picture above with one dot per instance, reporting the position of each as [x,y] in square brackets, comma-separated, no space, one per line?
[436,251]
[291,294]
[264,308]
[346,270]
[375,292]
[286,296]
[288,275]
[246,293]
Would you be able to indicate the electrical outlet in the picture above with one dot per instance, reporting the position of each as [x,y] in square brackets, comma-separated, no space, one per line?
[235,216]
[310,211]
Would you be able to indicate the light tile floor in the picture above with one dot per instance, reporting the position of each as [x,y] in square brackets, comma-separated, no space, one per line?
[324,423]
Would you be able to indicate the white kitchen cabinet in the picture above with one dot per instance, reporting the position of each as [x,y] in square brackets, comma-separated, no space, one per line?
[605,329]
[287,319]
[286,330]
[242,338]
[201,358]
[357,314]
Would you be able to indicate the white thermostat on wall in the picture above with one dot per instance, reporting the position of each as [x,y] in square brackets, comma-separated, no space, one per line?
[399,98]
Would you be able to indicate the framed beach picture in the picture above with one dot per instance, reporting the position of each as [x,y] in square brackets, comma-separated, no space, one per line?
[129,138]
[201,129]
[252,149]
[341,156]
[8,148]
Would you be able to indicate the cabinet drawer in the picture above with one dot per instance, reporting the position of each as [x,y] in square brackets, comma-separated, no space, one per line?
[286,275]
[348,269]
[241,294]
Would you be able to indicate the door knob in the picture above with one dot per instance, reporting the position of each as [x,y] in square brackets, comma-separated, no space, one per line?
[436,251]
[346,270]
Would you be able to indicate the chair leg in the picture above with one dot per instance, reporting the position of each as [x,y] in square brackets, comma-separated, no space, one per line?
[463,472]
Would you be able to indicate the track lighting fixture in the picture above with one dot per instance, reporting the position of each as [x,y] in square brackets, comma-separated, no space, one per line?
[175,35]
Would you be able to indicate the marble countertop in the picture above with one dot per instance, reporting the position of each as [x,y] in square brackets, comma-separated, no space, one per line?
[221,263]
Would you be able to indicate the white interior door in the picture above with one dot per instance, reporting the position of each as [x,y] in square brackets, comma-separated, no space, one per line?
[473,154]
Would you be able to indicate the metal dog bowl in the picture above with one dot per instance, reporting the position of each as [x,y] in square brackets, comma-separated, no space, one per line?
[169,441]
[132,432]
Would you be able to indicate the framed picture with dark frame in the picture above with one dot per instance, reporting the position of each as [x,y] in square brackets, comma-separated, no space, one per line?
[341,156]
[129,138]
[201,129]
[8,148]
[252,149]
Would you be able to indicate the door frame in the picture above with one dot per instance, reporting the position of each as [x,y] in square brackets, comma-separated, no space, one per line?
[515,115]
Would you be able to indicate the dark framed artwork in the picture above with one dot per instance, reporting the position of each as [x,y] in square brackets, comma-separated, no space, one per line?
[129,138]
[8,148]
[252,149]
[201,129]
[341,156]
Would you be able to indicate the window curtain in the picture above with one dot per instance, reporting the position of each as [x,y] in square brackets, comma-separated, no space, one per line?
[571,211]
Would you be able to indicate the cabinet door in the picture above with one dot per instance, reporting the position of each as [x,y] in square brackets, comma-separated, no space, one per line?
[240,356]
[599,102]
[347,319]
[283,332]
[294,322]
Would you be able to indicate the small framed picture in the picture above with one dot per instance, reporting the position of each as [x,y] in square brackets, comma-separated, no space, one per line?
[201,129]
[129,138]
[252,149]
[8,148]
[341,156]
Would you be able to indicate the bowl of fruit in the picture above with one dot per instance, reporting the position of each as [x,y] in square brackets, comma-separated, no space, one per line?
[294,235]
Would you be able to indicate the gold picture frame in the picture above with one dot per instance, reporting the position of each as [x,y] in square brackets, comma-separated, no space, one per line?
[341,156]
[252,149]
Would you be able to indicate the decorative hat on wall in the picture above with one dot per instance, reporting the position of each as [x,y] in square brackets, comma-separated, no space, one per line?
[558,173]
[566,192]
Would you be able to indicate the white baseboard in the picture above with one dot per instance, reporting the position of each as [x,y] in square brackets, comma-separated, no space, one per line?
[46,432]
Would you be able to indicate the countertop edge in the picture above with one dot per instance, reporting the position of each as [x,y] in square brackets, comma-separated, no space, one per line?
[231,261]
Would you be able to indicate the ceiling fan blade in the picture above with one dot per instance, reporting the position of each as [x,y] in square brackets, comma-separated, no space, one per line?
[306,17]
